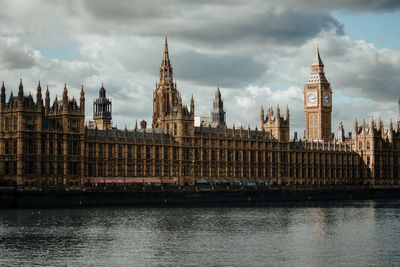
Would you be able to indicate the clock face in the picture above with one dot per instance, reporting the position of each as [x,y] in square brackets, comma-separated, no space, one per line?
[326,99]
[312,99]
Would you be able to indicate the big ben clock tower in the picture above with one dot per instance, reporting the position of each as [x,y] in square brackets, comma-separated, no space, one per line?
[318,102]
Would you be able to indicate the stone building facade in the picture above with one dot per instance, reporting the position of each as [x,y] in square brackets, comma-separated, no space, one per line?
[49,145]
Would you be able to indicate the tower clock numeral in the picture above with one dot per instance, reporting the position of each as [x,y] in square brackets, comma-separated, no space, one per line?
[326,99]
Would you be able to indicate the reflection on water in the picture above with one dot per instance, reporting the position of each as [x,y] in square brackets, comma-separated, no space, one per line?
[308,234]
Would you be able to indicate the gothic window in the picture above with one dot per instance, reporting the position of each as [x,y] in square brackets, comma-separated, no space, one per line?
[51,147]
[30,146]
[90,169]
[60,168]
[120,170]
[7,124]
[51,168]
[359,145]
[15,146]
[120,151]
[148,153]
[129,152]
[29,167]
[74,125]
[175,129]
[110,151]
[368,145]
[101,151]
[59,148]
[14,168]
[6,168]
[73,168]
[29,123]
[6,147]
[90,153]
[15,123]
[165,153]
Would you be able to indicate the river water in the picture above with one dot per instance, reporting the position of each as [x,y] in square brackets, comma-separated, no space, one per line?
[353,233]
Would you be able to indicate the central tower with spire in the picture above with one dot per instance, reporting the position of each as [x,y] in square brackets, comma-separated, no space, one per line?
[318,102]
[168,112]
[218,113]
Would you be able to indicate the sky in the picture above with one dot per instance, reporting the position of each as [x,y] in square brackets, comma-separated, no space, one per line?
[259,52]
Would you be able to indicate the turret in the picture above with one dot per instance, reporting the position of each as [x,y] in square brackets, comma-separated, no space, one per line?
[287,113]
[262,117]
[39,101]
[341,132]
[47,100]
[20,92]
[355,126]
[102,108]
[65,97]
[82,101]
[3,95]
[192,106]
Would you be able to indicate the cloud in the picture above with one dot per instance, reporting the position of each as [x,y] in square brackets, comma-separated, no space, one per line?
[259,52]
[349,5]
[14,56]
[210,70]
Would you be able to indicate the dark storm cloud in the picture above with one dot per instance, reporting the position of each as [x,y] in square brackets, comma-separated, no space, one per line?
[350,5]
[228,71]
[211,23]
[13,57]
[288,28]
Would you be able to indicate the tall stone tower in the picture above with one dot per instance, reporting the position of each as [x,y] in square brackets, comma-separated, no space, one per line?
[168,112]
[218,113]
[318,102]
[102,110]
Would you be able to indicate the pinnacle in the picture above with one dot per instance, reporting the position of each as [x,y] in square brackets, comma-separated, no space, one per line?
[166,48]
[317,58]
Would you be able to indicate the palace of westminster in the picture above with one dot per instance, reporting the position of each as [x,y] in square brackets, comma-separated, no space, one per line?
[49,144]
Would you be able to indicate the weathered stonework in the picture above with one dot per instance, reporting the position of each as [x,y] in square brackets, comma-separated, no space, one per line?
[49,146]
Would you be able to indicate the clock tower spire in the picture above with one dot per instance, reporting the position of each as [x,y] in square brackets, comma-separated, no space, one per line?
[318,102]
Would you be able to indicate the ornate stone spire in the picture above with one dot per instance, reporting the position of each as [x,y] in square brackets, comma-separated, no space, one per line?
[166,69]
[39,95]
[3,94]
[262,117]
[20,90]
[287,112]
[65,94]
[82,100]
[317,69]
[102,91]
[218,113]
[192,105]
[317,58]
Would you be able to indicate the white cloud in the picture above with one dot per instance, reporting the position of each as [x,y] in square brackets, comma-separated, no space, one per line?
[259,54]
